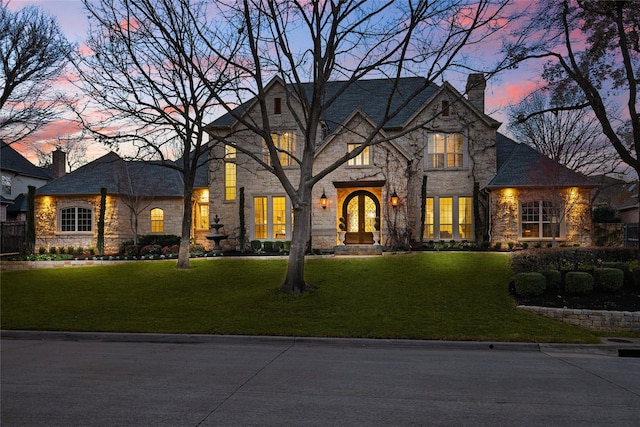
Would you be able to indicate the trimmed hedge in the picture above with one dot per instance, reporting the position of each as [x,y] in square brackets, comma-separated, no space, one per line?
[530,284]
[608,279]
[565,259]
[578,282]
[553,277]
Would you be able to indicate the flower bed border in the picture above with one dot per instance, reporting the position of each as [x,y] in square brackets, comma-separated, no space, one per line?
[597,320]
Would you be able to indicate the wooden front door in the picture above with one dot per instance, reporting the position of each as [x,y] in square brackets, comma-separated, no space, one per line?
[360,209]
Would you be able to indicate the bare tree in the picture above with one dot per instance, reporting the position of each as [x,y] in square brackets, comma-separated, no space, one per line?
[572,138]
[593,51]
[34,53]
[74,147]
[154,77]
[307,44]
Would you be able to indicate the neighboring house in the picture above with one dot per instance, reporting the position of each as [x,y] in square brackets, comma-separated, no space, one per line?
[479,185]
[18,174]
[142,198]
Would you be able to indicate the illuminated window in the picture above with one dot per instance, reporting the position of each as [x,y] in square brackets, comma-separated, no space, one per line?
[285,144]
[230,176]
[362,159]
[429,219]
[449,218]
[270,218]
[202,216]
[75,219]
[446,218]
[279,217]
[157,220]
[260,217]
[465,209]
[444,151]
[539,220]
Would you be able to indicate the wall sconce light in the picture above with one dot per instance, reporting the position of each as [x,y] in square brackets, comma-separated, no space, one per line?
[323,200]
[394,199]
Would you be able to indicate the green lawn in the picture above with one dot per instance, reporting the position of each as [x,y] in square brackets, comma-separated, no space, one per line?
[447,296]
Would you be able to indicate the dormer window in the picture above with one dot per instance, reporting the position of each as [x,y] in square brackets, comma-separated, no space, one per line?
[277,105]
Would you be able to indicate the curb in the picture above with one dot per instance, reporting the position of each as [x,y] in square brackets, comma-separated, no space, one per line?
[610,346]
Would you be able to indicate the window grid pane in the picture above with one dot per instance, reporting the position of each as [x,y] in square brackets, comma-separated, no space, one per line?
[279,218]
[84,219]
[361,159]
[445,150]
[229,181]
[446,217]
[68,219]
[465,217]
[428,219]
[260,217]
[157,220]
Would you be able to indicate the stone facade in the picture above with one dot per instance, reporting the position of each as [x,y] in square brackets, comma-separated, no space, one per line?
[597,320]
[119,220]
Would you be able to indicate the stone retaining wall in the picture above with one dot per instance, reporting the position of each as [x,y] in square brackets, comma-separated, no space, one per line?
[30,265]
[598,320]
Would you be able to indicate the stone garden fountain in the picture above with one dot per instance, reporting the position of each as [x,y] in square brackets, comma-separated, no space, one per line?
[216,236]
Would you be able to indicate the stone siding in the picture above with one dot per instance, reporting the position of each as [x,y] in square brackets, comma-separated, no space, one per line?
[598,320]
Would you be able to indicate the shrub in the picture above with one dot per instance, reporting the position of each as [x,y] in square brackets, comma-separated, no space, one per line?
[42,250]
[170,250]
[578,282]
[159,239]
[530,284]
[151,250]
[79,250]
[278,246]
[553,278]
[256,246]
[636,277]
[53,250]
[92,250]
[624,266]
[61,250]
[608,279]
[287,246]
[70,250]
[196,249]
[568,258]
[268,246]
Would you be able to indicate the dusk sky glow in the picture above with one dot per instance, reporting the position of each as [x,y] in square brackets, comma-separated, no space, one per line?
[502,90]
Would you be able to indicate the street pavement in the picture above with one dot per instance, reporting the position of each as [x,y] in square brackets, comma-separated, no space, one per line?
[57,379]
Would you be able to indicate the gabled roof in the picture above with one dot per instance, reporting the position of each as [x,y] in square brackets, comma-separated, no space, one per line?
[12,161]
[519,165]
[371,96]
[112,172]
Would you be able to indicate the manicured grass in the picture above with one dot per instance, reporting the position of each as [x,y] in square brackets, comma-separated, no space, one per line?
[448,296]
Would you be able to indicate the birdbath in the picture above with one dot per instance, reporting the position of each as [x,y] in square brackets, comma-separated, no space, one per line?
[216,236]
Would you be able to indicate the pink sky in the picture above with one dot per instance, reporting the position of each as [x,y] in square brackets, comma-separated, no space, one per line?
[503,90]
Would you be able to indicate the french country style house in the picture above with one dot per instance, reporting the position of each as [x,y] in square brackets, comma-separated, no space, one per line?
[444,173]
[449,178]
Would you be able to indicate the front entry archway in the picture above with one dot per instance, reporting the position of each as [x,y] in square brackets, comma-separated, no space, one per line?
[360,210]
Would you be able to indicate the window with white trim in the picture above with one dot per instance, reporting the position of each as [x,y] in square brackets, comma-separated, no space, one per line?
[230,173]
[444,151]
[272,218]
[539,219]
[285,143]
[362,159]
[448,218]
[76,219]
[157,220]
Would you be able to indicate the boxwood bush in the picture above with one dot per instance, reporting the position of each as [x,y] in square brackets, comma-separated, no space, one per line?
[608,279]
[567,259]
[530,284]
[578,282]
[553,277]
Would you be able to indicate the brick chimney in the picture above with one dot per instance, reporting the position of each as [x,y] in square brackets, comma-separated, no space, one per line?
[476,84]
[59,165]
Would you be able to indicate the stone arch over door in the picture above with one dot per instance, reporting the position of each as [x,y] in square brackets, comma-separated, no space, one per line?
[360,209]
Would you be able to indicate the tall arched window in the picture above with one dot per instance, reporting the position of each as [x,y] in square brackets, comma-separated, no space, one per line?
[157,220]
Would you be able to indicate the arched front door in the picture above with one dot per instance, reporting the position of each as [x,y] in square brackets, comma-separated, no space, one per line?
[360,210]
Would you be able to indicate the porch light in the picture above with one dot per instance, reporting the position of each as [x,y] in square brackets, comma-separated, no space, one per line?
[323,200]
[394,199]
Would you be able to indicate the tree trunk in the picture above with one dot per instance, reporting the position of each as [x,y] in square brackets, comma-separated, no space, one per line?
[294,281]
[185,238]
